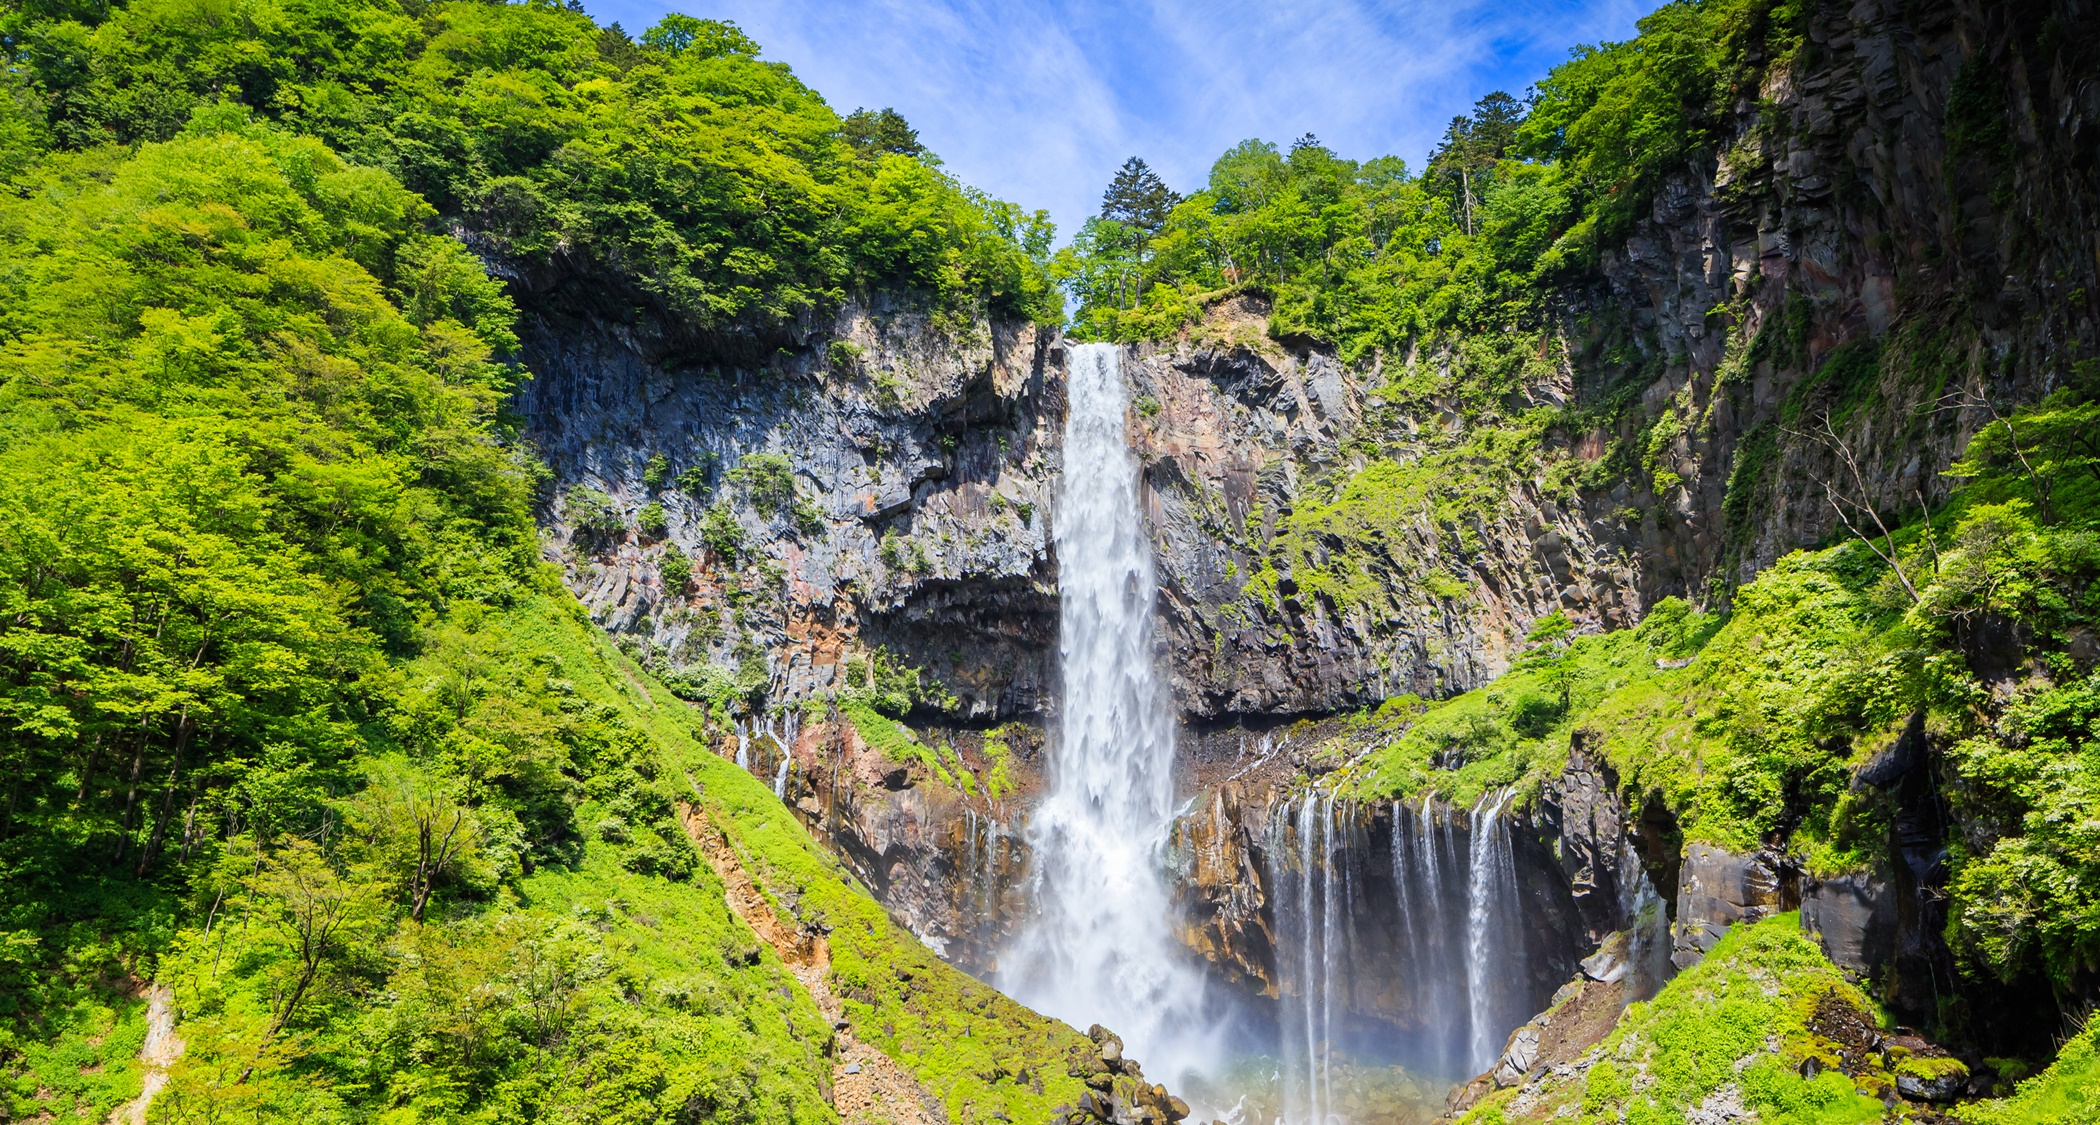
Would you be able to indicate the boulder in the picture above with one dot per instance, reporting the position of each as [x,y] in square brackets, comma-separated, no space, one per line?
[1716,889]
[1853,917]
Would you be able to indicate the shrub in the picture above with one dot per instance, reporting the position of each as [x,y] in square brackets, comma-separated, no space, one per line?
[652,521]
[675,569]
[591,512]
[699,479]
[808,521]
[767,481]
[720,532]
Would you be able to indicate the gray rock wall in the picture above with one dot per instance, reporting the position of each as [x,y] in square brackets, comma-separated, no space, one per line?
[925,457]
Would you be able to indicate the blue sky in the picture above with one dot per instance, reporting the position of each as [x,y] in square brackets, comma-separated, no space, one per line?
[1040,102]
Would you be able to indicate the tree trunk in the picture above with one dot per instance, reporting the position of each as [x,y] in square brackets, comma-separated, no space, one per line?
[167,798]
[131,795]
[87,771]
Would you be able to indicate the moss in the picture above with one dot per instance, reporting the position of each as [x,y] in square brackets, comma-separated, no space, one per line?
[1929,1069]
[998,756]
[2068,1093]
[1741,1016]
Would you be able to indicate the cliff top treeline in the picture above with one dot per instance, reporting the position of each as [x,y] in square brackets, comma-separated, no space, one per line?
[713,183]
[1518,197]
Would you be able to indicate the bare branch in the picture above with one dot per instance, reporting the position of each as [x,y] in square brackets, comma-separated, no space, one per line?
[1886,549]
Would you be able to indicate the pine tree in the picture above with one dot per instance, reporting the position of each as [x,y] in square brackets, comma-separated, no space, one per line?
[872,132]
[1138,198]
[1463,166]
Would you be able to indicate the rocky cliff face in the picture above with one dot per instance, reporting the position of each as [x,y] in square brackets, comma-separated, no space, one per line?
[1896,239]
[885,487]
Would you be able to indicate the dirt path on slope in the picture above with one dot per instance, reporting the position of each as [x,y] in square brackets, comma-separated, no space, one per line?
[867,1086]
[159,1052]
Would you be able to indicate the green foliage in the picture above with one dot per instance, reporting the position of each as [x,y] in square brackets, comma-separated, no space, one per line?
[2032,897]
[767,481]
[698,480]
[877,132]
[1369,256]
[889,684]
[1518,728]
[1750,728]
[978,1051]
[1739,1016]
[657,472]
[2066,1093]
[592,512]
[652,520]
[1138,199]
[294,724]
[998,756]
[720,532]
[675,569]
[713,183]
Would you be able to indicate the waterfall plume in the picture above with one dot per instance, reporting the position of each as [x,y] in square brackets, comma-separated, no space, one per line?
[1100,948]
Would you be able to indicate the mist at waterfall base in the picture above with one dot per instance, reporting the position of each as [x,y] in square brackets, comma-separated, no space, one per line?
[1101,946]
[1400,954]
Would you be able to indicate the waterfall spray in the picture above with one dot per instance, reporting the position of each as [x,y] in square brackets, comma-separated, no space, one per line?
[1100,949]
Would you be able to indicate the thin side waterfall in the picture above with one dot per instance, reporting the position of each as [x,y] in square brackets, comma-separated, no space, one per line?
[1490,887]
[1421,852]
[1100,948]
[1311,920]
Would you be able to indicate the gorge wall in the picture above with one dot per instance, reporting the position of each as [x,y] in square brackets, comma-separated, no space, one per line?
[1894,240]
[1880,243]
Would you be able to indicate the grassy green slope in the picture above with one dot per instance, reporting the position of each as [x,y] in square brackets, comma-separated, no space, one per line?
[1736,1029]
[977,1050]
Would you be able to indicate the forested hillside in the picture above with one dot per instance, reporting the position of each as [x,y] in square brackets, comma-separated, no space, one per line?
[296,728]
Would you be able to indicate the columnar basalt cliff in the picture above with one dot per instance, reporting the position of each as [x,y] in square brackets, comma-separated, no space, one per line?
[909,508]
[1847,257]
[1841,298]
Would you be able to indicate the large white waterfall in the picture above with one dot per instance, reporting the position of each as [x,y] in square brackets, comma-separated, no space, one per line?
[1099,949]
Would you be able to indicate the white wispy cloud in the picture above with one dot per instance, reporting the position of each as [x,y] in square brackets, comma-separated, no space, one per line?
[1040,102]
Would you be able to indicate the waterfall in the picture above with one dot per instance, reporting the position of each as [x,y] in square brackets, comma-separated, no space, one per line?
[1311,924]
[1490,886]
[1100,948]
[1421,851]
[780,779]
[743,747]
